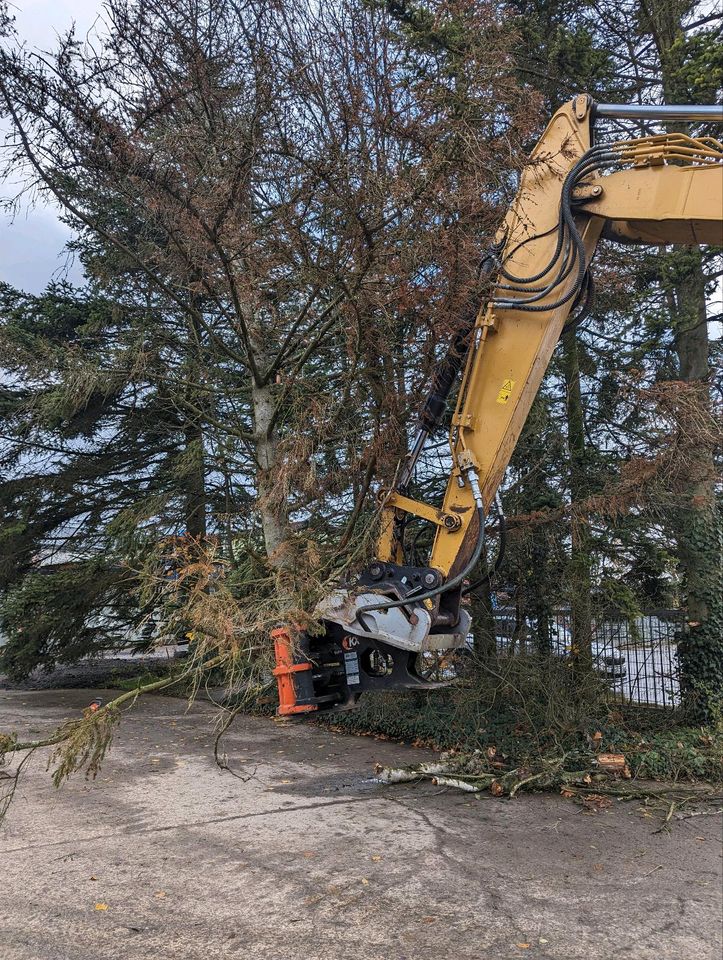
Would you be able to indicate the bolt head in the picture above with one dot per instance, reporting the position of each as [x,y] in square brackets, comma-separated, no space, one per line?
[430,579]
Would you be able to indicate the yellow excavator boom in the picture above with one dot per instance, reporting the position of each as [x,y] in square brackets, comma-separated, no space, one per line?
[665,189]
[661,190]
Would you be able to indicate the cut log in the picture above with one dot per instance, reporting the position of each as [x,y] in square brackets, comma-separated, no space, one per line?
[612,762]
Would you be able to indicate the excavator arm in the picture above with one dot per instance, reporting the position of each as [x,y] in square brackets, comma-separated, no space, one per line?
[664,189]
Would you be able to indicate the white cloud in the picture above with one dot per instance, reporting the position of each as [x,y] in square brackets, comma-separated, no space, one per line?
[39,22]
[32,251]
[32,244]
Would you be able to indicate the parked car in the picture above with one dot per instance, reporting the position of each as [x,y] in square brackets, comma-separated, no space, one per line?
[607,658]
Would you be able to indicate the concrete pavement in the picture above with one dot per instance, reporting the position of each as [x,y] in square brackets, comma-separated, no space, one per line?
[166,857]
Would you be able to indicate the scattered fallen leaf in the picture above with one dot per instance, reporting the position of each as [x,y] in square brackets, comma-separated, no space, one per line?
[429,919]
[567,793]
[496,788]
[523,946]
[93,878]
[160,894]
[542,940]
[365,881]
[376,858]
[491,752]
[101,906]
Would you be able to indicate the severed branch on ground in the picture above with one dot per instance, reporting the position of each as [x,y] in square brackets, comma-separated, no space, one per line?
[80,744]
[604,778]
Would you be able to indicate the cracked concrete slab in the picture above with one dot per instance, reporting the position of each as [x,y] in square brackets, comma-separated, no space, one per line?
[302,855]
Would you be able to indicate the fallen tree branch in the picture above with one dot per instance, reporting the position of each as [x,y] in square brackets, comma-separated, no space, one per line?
[698,813]
[476,772]
[81,743]
[411,774]
[10,745]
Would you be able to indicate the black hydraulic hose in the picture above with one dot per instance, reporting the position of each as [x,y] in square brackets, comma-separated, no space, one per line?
[442,588]
[500,553]
[448,370]
[541,307]
[513,278]
[567,219]
[563,273]
[588,291]
[520,245]
[595,158]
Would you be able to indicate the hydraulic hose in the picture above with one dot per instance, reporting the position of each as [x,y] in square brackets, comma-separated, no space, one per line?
[456,580]
[596,156]
[500,553]
[588,293]
[568,235]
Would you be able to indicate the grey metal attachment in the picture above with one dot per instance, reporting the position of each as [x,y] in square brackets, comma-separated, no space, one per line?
[391,625]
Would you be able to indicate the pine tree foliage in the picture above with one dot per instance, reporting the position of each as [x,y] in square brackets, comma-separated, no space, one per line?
[279,210]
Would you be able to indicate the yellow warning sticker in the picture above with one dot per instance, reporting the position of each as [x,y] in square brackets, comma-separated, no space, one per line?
[505,390]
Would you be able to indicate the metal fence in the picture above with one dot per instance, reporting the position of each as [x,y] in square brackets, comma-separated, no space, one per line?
[637,657]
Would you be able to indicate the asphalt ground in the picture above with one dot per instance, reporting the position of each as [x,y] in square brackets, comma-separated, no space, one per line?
[304,856]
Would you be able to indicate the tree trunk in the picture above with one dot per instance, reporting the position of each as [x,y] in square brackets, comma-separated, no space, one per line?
[580,566]
[699,526]
[540,592]
[195,467]
[195,482]
[273,517]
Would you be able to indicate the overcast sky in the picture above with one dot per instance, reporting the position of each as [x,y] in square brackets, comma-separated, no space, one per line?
[32,244]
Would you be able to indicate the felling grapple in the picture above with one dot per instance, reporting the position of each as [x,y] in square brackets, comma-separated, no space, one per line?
[363,647]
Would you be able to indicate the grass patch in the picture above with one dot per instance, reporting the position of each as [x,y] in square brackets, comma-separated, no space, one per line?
[122,681]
